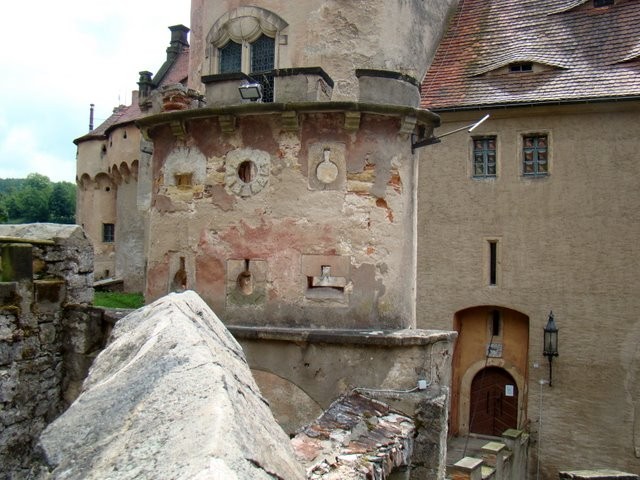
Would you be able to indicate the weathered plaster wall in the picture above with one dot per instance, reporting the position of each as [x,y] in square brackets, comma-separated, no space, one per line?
[567,243]
[107,176]
[286,223]
[338,36]
[129,251]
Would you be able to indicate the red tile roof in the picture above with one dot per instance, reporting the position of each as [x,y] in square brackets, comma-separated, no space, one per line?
[356,437]
[176,73]
[587,53]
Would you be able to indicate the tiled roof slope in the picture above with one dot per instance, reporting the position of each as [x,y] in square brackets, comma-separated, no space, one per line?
[588,53]
[175,73]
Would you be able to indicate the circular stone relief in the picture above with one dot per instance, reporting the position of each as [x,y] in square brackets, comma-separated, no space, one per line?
[246,171]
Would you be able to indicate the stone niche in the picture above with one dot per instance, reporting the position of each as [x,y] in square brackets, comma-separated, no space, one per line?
[327,166]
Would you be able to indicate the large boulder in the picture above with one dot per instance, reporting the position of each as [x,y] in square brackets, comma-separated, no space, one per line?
[170,397]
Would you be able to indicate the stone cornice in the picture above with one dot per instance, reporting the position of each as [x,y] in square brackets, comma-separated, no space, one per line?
[246,109]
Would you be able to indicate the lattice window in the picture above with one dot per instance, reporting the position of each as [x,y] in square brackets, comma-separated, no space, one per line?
[262,62]
[535,155]
[484,157]
[262,54]
[231,57]
[108,232]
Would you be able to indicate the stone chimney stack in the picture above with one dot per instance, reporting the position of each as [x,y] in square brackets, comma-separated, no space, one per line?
[178,41]
[145,85]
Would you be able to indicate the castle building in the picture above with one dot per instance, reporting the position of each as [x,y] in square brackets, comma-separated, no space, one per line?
[107,169]
[312,204]
[536,211]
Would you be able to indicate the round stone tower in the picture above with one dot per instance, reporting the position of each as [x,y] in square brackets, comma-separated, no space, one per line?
[288,199]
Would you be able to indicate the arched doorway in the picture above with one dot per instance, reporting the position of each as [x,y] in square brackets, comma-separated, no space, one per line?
[488,336]
[494,402]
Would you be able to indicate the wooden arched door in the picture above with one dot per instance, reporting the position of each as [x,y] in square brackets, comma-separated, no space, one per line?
[494,402]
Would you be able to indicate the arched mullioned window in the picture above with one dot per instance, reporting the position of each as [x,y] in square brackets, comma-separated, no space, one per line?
[230,57]
[244,40]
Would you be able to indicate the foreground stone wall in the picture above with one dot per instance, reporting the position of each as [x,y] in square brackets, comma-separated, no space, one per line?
[170,397]
[44,270]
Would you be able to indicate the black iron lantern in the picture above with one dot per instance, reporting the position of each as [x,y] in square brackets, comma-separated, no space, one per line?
[550,344]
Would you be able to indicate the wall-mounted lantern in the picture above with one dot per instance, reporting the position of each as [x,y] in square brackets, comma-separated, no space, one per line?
[550,344]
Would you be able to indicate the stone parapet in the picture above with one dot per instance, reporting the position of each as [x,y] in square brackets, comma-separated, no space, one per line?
[44,269]
[597,475]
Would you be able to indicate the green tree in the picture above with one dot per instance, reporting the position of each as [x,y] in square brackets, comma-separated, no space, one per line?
[36,199]
[62,203]
[4,212]
[33,199]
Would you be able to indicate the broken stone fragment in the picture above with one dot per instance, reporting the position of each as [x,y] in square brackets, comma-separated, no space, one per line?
[170,397]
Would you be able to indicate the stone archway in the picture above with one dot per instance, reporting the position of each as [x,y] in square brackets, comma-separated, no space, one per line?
[489,336]
[282,394]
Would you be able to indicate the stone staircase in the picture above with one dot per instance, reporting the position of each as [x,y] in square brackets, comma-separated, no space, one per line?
[488,458]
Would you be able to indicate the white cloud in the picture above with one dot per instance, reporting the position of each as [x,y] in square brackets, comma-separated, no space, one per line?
[73,53]
[24,154]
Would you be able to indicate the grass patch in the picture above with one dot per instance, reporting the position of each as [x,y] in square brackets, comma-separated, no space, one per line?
[118,300]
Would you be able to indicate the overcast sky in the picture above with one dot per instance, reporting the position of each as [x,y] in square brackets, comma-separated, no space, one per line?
[57,57]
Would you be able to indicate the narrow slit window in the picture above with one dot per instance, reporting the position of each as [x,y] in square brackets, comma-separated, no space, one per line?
[493,263]
[495,323]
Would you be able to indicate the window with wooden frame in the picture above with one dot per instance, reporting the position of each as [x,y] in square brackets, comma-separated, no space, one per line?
[484,157]
[535,155]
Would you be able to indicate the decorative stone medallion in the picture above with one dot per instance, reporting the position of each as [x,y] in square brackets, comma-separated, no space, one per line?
[246,171]
[327,169]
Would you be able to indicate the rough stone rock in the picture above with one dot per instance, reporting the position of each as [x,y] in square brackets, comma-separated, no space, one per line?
[170,397]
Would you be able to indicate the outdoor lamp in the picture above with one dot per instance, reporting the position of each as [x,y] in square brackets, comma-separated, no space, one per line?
[250,91]
[550,344]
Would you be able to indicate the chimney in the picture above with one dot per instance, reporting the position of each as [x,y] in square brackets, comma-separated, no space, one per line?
[145,85]
[91,105]
[178,41]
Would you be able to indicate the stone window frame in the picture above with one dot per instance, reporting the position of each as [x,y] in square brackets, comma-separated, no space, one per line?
[244,25]
[484,151]
[536,150]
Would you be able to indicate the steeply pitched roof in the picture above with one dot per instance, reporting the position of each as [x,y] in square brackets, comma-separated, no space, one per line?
[174,70]
[586,53]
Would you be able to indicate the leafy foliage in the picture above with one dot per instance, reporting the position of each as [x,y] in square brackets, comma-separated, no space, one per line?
[36,199]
